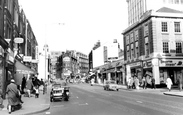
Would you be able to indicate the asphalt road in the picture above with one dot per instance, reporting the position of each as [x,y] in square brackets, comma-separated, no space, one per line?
[93,100]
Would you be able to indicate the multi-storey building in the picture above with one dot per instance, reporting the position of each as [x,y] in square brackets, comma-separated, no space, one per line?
[83,63]
[12,40]
[153,44]
[137,8]
[54,55]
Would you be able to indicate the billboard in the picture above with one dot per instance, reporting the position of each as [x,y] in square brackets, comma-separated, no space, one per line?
[113,51]
[98,57]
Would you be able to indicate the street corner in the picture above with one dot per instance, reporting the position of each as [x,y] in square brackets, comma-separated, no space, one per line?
[174,93]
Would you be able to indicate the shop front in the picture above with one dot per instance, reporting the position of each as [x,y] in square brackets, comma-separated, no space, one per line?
[170,68]
[133,69]
[2,69]
[22,71]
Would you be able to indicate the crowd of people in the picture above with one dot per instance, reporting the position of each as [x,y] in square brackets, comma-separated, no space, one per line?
[28,87]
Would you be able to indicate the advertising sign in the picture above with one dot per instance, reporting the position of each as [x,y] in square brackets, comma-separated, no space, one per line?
[37,53]
[27,58]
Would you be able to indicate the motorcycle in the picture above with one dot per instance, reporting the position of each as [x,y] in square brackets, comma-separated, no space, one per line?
[66,93]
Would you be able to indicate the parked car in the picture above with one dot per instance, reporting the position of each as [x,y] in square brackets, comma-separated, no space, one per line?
[111,85]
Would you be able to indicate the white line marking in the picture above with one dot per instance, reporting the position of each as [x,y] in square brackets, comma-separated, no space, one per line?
[139,101]
[83,104]
[58,106]
[47,113]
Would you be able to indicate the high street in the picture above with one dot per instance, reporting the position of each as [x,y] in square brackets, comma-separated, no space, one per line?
[93,100]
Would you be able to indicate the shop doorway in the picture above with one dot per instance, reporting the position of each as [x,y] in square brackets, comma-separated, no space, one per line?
[171,75]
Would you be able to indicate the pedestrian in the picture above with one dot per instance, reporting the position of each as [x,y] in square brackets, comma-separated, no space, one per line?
[144,83]
[29,86]
[12,94]
[1,99]
[179,81]
[129,83]
[136,82]
[19,94]
[23,85]
[37,92]
[153,83]
[169,83]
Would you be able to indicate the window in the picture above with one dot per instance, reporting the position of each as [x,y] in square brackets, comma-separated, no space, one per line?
[177,26]
[136,35]
[178,47]
[165,47]
[127,39]
[147,49]
[131,38]
[132,54]
[164,27]
[146,33]
[136,49]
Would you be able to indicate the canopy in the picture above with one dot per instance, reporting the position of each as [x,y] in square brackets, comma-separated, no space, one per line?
[21,68]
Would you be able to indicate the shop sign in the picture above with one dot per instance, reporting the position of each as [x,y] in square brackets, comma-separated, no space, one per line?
[10,56]
[1,51]
[66,59]
[27,58]
[147,63]
[135,64]
[177,63]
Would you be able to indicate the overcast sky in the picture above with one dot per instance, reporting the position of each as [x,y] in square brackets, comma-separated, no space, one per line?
[76,24]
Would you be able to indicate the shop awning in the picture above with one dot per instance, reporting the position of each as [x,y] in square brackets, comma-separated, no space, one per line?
[21,68]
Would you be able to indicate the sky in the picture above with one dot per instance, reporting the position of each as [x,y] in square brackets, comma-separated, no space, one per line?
[76,24]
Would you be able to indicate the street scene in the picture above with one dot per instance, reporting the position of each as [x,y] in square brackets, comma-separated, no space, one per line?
[91,57]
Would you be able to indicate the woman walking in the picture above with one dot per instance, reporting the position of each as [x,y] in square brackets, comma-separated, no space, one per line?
[169,83]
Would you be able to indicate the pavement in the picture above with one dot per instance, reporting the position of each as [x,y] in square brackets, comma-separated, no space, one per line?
[31,105]
[174,91]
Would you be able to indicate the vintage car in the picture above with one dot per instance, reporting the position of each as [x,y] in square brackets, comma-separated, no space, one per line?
[111,85]
[59,92]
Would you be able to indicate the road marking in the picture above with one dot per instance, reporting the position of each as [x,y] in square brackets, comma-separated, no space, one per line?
[83,104]
[58,106]
[139,102]
[45,104]
[48,113]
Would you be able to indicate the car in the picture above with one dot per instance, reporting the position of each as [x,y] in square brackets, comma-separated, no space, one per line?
[56,92]
[59,91]
[111,85]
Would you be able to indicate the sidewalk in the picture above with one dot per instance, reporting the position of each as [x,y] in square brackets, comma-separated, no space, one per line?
[173,92]
[31,105]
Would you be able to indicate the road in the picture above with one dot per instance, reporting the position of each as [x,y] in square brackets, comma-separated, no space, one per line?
[93,100]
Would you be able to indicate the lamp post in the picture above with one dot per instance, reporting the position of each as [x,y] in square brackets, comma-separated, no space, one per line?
[45,51]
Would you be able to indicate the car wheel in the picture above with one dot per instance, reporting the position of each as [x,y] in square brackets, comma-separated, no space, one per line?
[117,89]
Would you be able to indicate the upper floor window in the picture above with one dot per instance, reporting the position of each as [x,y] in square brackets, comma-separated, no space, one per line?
[165,47]
[146,33]
[127,39]
[136,35]
[177,26]
[164,27]
[178,47]
[131,38]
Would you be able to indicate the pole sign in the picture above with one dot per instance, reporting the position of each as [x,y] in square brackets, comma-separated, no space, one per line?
[18,40]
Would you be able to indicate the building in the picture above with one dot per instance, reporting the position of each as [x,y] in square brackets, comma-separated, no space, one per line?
[153,44]
[83,63]
[138,8]
[12,44]
[107,62]
[54,55]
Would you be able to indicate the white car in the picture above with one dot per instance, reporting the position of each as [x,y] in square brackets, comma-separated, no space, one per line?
[111,85]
